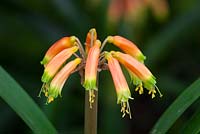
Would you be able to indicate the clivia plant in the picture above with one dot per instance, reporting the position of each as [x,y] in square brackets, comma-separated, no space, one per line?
[89,62]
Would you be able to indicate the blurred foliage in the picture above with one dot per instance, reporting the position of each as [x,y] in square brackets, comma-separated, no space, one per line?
[23,105]
[171,45]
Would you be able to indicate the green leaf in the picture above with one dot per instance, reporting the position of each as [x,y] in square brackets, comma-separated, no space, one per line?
[193,125]
[23,105]
[175,110]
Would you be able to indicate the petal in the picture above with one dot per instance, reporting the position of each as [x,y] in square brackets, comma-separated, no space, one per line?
[59,80]
[127,46]
[56,63]
[91,66]
[57,47]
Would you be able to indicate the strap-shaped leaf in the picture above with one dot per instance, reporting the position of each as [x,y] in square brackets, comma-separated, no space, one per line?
[175,110]
[23,105]
[192,126]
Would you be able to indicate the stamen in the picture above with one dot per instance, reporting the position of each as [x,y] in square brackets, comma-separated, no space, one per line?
[159,91]
[46,94]
[91,97]
[152,92]
[50,99]
[129,109]
[139,88]
[125,109]
[43,89]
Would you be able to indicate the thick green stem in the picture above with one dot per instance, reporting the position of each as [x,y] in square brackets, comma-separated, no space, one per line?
[91,114]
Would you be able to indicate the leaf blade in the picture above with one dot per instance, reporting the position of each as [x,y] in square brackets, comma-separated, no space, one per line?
[175,110]
[23,105]
[192,126]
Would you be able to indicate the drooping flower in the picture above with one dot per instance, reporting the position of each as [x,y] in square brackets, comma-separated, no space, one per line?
[90,39]
[121,86]
[55,64]
[90,61]
[55,87]
[127,46]
[57,47]
[91,70]
[140,70]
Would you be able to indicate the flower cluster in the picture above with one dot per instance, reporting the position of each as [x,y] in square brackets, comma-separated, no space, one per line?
[90,61]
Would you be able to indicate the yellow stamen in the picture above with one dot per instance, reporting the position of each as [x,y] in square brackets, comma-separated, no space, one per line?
[125,109]
[43,89]
[91,97]
[46,94]
[152,92]
[50,99]
[139,88]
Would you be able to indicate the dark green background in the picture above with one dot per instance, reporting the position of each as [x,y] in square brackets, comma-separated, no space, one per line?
[28,28]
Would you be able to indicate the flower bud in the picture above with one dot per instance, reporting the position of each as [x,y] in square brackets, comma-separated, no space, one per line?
[121,86]
[127,46]
[91,70]
[140,70]
[57,47]
[59,80]
[56,63]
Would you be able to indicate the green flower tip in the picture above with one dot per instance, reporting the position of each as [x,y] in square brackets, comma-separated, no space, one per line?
[150,85]
[123,96]
[46,77]
[44,61]
[52,93]
[90,84]
[141,58]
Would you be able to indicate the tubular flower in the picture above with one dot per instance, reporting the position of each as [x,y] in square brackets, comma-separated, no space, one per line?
[55,64]
[91,70]
[121,86]
[127,46]
[56,85]
[89,62]
[140,70]
[57,47]
[90,39]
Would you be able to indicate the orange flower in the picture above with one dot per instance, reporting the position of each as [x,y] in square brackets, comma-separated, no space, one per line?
[121,86]
[160,9]
[57,47]
[54,65]
[90,39]
[59,80]
[90,62]
[91,70]
[127,46]
[140,70]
